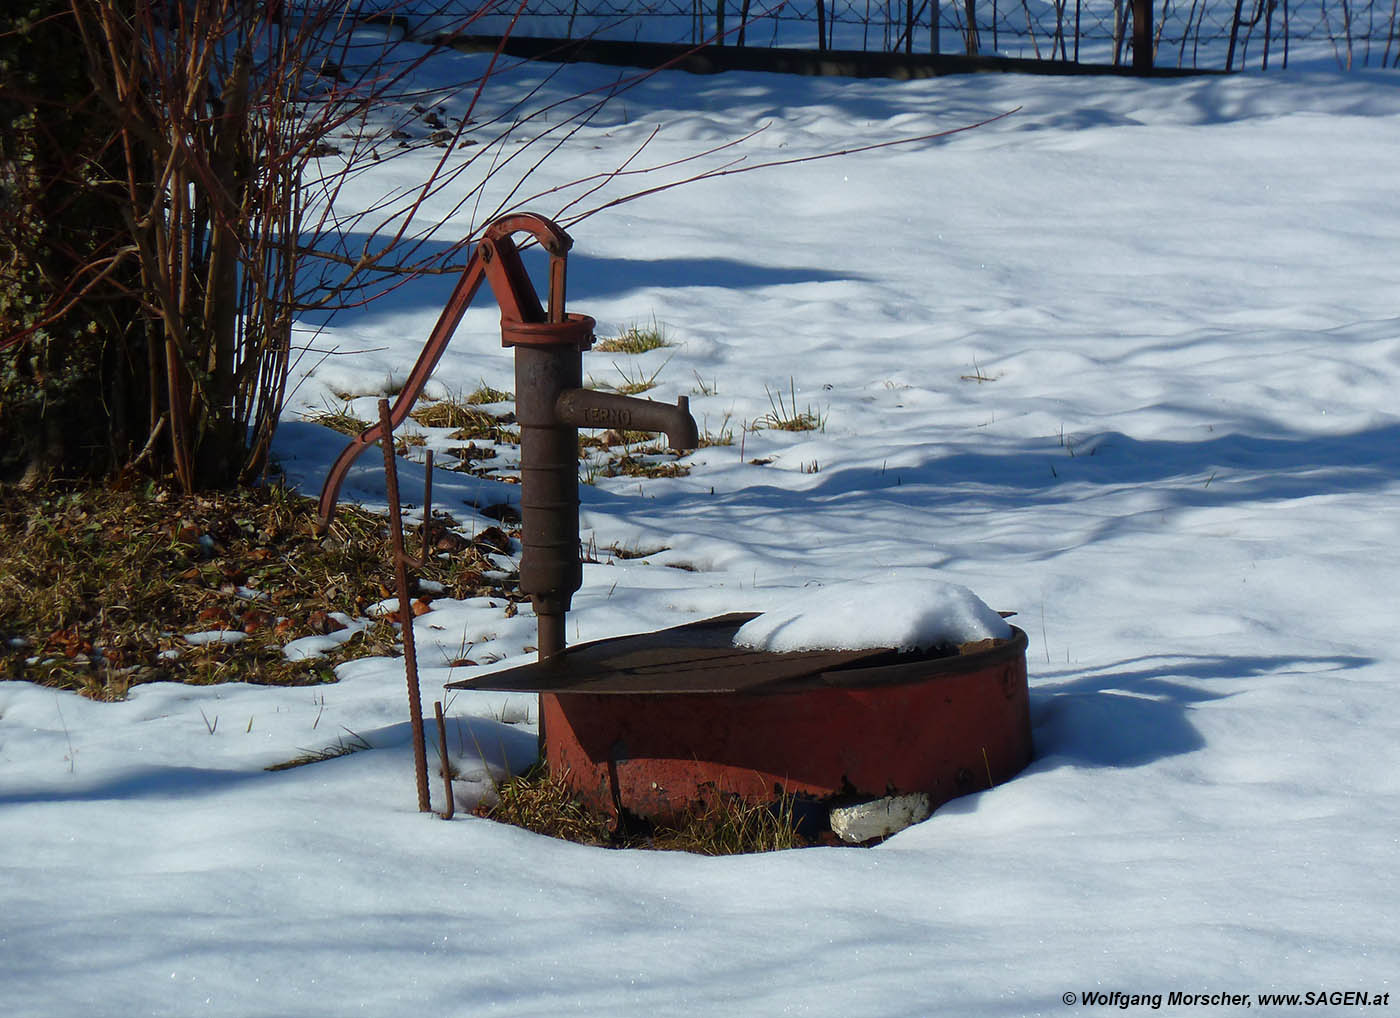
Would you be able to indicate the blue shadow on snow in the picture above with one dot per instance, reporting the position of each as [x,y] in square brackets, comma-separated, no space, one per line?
[1136,711]
[590,278]
[500,744]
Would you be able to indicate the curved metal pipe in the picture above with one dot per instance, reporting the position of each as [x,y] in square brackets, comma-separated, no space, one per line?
[585,408]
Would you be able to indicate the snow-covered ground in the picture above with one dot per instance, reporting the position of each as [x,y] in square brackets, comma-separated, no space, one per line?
[1124,362]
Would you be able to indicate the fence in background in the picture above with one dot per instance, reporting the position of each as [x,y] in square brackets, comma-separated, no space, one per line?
[1200,34]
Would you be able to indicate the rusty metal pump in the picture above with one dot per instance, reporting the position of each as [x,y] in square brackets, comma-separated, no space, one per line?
[551,405]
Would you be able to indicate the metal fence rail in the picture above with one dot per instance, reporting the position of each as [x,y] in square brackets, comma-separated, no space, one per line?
[1202,34]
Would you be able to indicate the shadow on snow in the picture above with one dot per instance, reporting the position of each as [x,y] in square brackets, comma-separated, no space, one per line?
[591,277]
[1230,469]
[498,745]
[1136,711]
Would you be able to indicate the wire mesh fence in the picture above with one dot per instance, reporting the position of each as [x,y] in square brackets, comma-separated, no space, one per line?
[1202,34]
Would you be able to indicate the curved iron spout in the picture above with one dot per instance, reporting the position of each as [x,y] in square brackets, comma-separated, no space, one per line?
[587,408]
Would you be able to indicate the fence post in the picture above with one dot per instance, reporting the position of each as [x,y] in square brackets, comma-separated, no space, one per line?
[1142,35]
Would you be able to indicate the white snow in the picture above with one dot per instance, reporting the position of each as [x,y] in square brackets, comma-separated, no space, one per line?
[314,646]
[882,612]
[1124,362]
[215,636]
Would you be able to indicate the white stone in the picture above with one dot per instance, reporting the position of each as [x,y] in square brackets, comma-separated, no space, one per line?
[880,817]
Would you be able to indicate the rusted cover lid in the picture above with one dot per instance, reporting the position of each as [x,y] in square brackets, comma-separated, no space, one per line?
[696,658]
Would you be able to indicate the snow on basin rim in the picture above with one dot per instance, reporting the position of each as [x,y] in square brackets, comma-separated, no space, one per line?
[902,614]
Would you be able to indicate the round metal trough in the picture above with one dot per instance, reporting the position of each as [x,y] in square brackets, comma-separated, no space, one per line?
[655,723]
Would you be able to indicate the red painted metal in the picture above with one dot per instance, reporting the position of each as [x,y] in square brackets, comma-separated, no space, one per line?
[651,725]
[495,261]
[632,725]
[573,331]
[550,403]
[948,735]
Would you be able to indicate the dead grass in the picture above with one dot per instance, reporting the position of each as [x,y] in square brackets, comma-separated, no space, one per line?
[468,455]
[484,394]
[341,420]
[728,825]
[977,375]
[634,381]
[464,411]
[342,747]
[484,428]
[628,465]
[784,415]
[635,339]
[635,551]
[724,825]
[451,414]
[410,440]
[627,454]
[612,437]
[724,436]
[100,586]
[541,803]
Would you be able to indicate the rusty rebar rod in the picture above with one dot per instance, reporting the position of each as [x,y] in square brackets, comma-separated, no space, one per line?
[405,612]
[427,509]
[446,813]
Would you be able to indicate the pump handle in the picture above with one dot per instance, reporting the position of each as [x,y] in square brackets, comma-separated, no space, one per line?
[496,260]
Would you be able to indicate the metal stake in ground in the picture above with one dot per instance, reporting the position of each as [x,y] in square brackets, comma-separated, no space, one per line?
[427,528]
[446,761]
[410,655]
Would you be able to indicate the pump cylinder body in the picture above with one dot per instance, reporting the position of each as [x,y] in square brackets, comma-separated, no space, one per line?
[550,565]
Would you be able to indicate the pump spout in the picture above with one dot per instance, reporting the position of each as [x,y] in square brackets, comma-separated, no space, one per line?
[585,408]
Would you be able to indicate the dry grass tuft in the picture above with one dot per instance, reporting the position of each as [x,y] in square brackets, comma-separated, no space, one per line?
[635,551]
[464,414]
[341,420]
[409,440]
[355,744]
[635,339]
[724,436]
[541,803]
[784,415]
[724,825]
[611,438]
[643,466]
[451,414]
[729,825]
[485,394]
[633,382]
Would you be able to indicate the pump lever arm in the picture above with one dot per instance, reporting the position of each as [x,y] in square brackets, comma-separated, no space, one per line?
[472,278]
[496,260]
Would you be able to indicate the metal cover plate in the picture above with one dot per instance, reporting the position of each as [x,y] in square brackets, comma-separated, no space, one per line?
[699,657]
